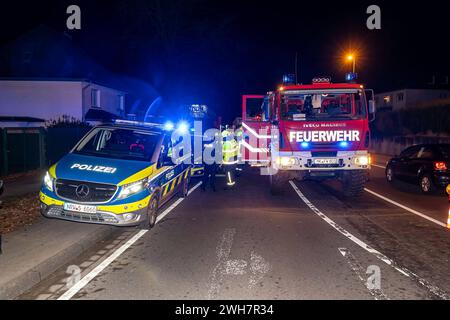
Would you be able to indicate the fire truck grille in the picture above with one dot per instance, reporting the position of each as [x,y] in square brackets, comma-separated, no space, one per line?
[86,192]
[324,154]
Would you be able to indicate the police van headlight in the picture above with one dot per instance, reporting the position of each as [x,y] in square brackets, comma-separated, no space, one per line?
[132,188]
[362,160]
[285,161]
[48,181]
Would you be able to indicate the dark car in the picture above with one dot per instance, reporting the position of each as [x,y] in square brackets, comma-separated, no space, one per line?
[426,165]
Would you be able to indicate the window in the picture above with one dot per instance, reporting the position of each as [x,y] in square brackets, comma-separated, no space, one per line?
[400,96]
[425,153]
[410,152]
[95,98]
[117,143]
[254,109]
[387,99]
[121,103]
[313,105]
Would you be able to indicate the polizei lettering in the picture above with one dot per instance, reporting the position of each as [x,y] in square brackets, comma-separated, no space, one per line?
[88,167]
[324,136]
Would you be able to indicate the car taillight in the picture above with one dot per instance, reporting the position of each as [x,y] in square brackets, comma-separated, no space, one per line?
[440,166]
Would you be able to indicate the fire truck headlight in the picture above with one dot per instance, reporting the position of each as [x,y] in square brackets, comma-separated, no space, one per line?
[285,161]
[362,160]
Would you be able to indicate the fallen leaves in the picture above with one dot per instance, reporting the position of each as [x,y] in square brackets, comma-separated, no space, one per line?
[18,212]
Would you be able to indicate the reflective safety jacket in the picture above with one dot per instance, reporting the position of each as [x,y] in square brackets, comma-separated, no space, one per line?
[230,148]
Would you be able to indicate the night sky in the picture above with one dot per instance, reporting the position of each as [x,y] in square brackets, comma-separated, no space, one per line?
[213,51]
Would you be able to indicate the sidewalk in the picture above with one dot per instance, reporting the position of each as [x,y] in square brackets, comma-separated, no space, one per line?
[33,253]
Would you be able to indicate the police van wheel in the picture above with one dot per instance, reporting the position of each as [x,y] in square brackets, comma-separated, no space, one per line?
[152,213]
[183,193]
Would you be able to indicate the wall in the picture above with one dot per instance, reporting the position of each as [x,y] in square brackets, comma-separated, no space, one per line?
[411,98]
[40,99]
[393,146]
[109,98]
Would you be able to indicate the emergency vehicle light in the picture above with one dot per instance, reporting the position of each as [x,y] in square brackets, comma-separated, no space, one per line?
[351,76]
[168,126]
[343,144]
[183,127]
[305,145]
[321,80]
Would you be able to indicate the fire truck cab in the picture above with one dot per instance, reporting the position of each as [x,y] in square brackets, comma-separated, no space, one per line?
[318,131]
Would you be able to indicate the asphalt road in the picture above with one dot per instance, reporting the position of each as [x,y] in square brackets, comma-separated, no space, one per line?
[308,243]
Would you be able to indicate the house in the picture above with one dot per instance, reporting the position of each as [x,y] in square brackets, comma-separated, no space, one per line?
[411,98]
[44,75]
[45,99]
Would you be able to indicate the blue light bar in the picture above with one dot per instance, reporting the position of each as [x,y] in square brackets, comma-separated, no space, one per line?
[351,76]
[168,126]
[305,145]
[183,127]
[343,144]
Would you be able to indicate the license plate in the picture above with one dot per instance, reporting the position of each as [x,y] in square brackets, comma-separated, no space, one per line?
[80,208]
[326,161]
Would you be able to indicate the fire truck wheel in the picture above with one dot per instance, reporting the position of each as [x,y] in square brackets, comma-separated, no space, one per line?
[276,184]
[354,183]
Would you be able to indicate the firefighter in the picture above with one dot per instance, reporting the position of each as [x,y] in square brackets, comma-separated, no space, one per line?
[230,153]
[210,167]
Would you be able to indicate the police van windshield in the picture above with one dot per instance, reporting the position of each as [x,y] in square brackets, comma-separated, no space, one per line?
[301,105]
[119,143]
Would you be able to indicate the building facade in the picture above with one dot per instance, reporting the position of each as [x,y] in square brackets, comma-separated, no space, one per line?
[44,100]
[410,98]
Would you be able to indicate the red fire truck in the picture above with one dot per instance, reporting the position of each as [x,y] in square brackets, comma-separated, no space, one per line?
[318,131]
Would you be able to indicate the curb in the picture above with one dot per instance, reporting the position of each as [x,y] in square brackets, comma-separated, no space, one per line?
[36,274]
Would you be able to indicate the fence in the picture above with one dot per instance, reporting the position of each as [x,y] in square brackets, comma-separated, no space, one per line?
[24,149]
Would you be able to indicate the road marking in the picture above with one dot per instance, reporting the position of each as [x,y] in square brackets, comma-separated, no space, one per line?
[257,266]
[105,263]
[223,251]
[356,267]
[406,208]
[435,290]
[378,166]
[176,203]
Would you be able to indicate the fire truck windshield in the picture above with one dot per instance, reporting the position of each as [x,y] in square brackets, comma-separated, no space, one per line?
[314,105]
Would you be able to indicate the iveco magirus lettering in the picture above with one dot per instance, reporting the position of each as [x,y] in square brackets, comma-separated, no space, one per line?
[318,131]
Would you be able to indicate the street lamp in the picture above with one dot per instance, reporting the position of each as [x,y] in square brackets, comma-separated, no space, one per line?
[352,58]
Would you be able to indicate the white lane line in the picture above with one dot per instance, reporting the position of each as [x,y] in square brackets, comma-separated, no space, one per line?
[356,267]
[105,263]
[378,166]
[406,208]
[435,290]
[176,203]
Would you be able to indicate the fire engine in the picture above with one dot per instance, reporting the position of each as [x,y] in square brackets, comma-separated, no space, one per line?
[316,131]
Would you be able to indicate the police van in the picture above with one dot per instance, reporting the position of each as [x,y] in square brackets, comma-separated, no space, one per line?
[118,174]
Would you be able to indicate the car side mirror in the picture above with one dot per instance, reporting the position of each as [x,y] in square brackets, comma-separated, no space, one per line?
[372,110]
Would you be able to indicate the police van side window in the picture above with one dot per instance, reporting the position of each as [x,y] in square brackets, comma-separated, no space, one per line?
[165,156]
